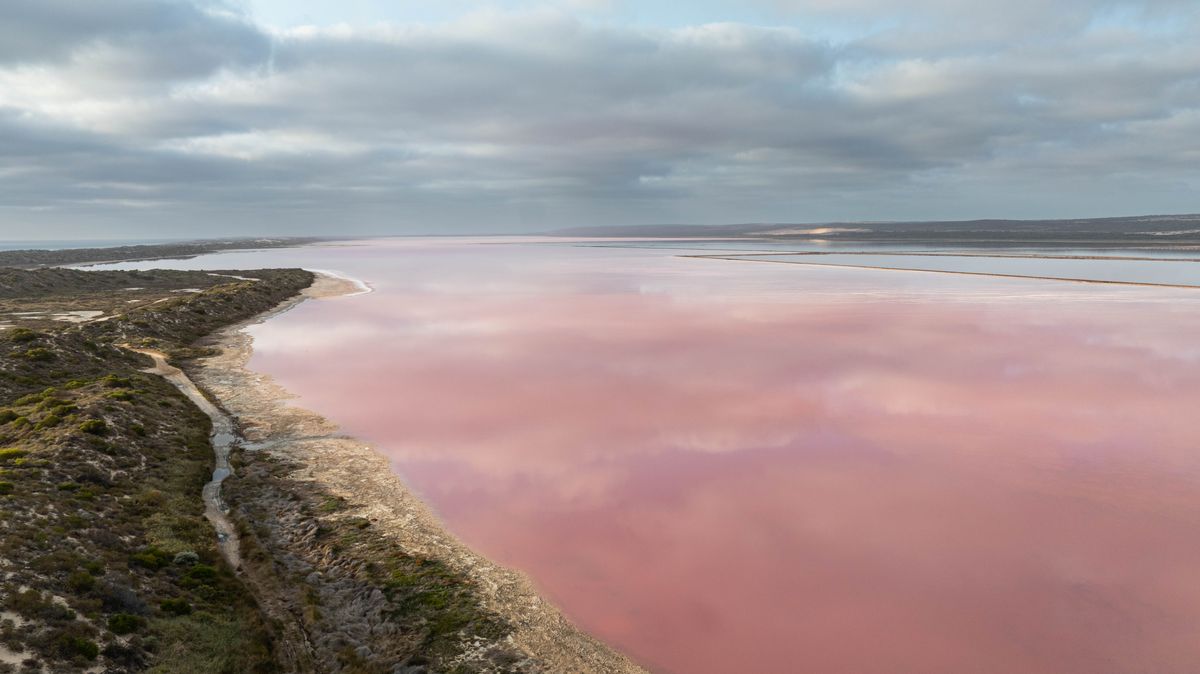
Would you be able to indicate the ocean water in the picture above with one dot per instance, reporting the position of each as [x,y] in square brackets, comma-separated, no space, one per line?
[719,466]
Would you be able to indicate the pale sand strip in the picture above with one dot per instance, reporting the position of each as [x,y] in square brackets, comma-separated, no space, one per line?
[835,265]
[934,253]
[350,469]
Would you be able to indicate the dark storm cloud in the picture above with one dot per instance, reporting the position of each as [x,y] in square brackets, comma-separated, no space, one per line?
[142,112]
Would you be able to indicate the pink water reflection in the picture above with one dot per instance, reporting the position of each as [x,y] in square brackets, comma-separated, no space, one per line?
[736,467]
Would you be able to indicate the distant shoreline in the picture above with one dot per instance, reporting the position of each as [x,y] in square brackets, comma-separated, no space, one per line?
[816,256]
[1146,231]
[35,258]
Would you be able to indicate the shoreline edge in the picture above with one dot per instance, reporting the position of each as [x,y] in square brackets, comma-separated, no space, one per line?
[353,471]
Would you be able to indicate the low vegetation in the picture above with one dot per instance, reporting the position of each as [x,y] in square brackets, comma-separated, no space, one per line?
[42,258]
[106,559]
[320,554]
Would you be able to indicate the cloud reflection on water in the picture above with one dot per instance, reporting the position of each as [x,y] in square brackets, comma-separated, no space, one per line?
[728,467]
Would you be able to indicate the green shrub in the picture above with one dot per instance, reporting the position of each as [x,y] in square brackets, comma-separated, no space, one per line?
[71,646]
[125,623]
[176,606]
[151,558]
[6,488]
[200,574]
[204,643]
[33,605]
[94,426]
[21,335]
[152,498]
[113,381]
[332,504]
[48,421]
[81,581]
[39,355]
[49,401]
[119,395]
[11,455]
[7,416]
[55,561]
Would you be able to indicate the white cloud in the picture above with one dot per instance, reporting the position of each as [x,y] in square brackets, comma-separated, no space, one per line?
[539,118]
[254,145]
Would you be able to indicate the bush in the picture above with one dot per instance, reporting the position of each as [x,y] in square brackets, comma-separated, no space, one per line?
[21,335]
[113,381]
[6,488]
[116,597]
[200,574]
[32,605]
[94,426]
[81,581]
[7,416]
[123,657]
[49,401]
[204,643]
[124,623]
[176,606]
[39,355]
[48,421]
[10,455]
[70,646]
[151,558]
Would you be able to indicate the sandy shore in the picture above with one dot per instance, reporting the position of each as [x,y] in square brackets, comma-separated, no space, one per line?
[767,257]
[350,469]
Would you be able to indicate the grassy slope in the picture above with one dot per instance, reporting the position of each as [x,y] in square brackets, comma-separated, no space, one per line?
[105,556]
[108,558]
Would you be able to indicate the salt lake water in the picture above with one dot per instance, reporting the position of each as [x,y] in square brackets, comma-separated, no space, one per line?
[724,466]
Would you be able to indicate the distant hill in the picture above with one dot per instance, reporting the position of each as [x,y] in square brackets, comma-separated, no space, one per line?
[1146,230]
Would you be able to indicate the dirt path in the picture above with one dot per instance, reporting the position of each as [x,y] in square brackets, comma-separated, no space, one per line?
[223,438]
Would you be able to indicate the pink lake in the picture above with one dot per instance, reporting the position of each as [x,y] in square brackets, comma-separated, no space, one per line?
[722,466]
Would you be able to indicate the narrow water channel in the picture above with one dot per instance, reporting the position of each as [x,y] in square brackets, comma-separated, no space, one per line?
[223,438]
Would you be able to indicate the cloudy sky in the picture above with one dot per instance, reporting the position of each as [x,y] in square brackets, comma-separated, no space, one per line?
[122,118]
